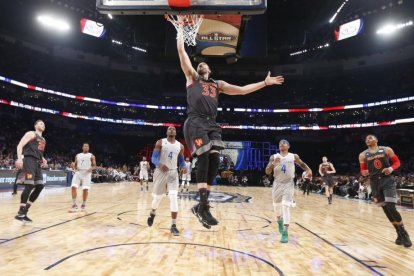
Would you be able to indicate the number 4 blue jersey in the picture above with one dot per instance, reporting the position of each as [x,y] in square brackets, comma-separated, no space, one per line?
[284,170]
[169,153]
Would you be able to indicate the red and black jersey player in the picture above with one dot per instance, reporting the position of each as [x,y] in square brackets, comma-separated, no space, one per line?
[30,159]
[375,163]
[202,133]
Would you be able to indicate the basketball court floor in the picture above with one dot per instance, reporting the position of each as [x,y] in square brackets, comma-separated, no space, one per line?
[350,237]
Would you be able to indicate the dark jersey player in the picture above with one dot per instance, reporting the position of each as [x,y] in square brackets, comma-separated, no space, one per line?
[375,163]
[31,147]
[326,170]
[202,133]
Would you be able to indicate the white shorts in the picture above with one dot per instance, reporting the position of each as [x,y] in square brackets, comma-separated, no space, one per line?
[186,177]
[283,193]
[143,175]
[164,181]
[82,178]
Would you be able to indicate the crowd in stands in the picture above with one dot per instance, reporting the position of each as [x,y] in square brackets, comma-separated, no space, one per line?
[352,186]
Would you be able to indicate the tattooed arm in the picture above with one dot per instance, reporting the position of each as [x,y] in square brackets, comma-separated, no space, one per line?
[303,165]
[270,166]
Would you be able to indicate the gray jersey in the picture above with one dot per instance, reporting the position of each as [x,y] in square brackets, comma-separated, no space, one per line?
[202,97]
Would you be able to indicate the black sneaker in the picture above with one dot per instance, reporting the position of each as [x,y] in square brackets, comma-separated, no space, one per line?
[150,220]
[398,241]
[14,193]
[200,213]
[174,230]
[21,213]
[405,239]
[194,209]
[27,219]
[210,219]
[19,217]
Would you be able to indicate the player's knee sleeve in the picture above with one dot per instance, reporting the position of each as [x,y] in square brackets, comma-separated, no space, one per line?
[37,190]
[214,163]
[286,213]
[156,200]
[26,193]
[393,211]
[173,201]
[202,167]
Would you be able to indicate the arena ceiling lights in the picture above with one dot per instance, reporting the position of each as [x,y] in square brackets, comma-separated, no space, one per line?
[338,11]
[392,28]
[53,23]
[117,42]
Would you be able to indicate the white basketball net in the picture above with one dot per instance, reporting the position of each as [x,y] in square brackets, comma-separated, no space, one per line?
[187,26]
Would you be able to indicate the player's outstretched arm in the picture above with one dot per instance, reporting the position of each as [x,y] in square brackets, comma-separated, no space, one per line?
[231,89]
[188,70]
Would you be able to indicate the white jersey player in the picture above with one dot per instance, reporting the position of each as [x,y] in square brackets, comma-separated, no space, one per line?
[143,172]
[186,177]
[85,162]
[283,167]
[165,156]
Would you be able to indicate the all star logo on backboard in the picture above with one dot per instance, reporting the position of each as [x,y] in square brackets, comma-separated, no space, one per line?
[220,197]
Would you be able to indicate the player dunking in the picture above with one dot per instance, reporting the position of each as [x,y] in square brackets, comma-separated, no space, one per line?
[326,170]
[85,163]
[283,167]
[165,156]
[374,162]
[202,133]
[143,172]
[186,177]
[31,146]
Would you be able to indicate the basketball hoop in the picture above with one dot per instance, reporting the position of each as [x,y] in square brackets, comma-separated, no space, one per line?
[187,26]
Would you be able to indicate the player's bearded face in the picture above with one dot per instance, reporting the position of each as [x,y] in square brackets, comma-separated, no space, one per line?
[203,68]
